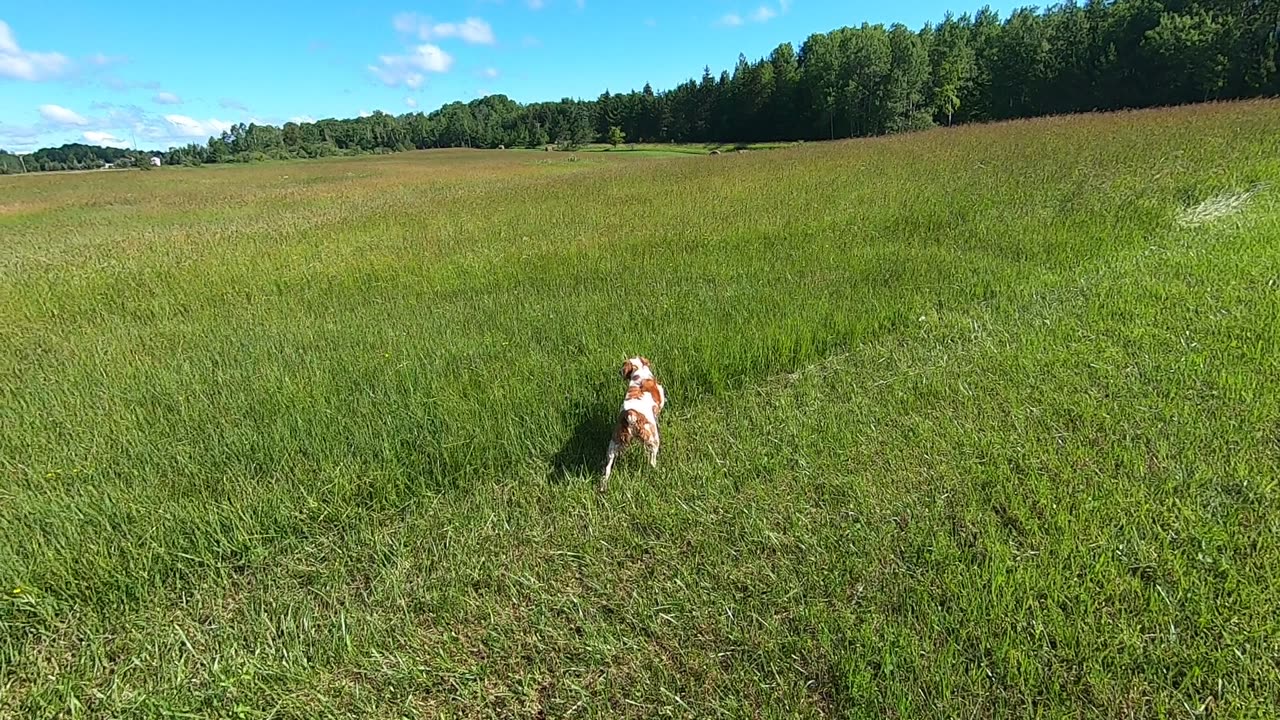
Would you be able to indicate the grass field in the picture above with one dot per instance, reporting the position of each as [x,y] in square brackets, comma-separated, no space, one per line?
[687,149]
[979,422]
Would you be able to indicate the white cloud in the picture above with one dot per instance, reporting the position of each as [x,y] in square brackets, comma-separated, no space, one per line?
[62,116]
[431,59]
[120,116]
[187,127]
[411,102]
[407,70]
[490,72]
[19,64]
[764,13]
[8,43]
[101,59]
[155,131]
[302,119]
[22,138]
[535,4]
[119,85]
[167,98]
[232,104]
[365,113]
[98,137]
[473,30]
[406,22]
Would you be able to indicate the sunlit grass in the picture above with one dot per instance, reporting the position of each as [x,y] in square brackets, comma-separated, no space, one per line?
[970,422]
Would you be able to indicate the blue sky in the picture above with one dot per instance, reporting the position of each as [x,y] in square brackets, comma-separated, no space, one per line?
[163,73]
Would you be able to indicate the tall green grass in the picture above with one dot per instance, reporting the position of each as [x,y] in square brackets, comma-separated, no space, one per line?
[962,423]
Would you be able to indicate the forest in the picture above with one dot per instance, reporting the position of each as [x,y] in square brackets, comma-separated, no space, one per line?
[851,82]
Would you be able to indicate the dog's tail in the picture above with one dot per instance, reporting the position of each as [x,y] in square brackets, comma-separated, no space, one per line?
[638,427]
[631,426]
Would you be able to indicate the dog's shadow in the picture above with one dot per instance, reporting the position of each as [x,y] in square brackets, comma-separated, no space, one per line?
[582,454]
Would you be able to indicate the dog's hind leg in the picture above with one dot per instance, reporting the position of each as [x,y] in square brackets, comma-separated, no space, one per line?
[610,455]
[653,444]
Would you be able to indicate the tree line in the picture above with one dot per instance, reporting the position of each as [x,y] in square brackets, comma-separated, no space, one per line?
[73,156]
[852,82]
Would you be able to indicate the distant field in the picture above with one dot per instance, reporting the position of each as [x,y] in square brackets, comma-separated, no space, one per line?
[980,422]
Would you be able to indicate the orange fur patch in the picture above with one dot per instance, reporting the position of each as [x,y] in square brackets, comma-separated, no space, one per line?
[650,386]
[624,434]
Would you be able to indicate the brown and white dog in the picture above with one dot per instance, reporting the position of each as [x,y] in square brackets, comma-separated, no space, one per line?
[638,419]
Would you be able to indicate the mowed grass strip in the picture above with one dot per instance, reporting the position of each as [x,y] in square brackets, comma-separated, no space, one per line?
[962,423]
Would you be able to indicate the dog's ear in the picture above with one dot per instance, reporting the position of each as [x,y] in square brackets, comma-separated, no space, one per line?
[646,362]
[627,369]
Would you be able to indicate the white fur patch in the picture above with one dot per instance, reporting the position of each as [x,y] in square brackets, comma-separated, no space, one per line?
[643,405]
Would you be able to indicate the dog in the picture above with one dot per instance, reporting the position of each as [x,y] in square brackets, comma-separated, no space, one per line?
[638,419]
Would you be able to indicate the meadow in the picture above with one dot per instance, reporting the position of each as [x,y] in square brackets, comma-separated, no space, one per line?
[975,422]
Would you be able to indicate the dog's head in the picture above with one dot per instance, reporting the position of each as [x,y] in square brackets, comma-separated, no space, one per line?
[636,368]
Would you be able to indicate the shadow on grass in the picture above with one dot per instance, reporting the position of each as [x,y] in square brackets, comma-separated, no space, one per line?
[582,454]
